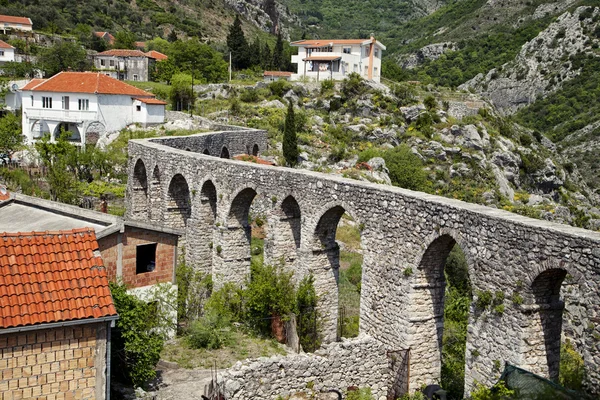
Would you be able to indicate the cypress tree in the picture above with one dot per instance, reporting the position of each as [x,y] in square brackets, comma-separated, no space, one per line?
[266,57]
[237,44]
[278,61]
[290,141]
[255,53]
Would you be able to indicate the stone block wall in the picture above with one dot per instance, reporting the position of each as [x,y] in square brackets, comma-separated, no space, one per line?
[361,362]
[58,363]
[405,237]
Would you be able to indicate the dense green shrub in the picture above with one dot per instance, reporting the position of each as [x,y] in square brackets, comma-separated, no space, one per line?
[360,394]
[211,331]
[406,169]
[572,371]
[280,87]
[307,320]
[327,86]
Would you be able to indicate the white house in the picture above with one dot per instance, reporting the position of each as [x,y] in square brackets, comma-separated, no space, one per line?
[336,59]
[86,104]
[8,22]
[7,52]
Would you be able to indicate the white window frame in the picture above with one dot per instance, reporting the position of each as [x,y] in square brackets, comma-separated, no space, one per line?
[65,102]
[84,104]
[347,50]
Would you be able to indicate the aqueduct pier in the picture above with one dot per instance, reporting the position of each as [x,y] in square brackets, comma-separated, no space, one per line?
[406,236]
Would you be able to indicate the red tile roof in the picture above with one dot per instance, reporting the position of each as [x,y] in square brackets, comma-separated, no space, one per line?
[87,82]
[123,53]
[327,42]
[15,20]
[32,83]
[157,55]
[277,73]
[140,45]
[4,45]
[105,35]
[152,101]
[50,277]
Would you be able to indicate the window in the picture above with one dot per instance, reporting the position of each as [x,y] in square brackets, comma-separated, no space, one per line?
[112,63]
[84,104]
[145,258]
[102,63]
[366,70]
[1,53]
[31,101]
[135,77]
[355,67]
[46,102]
[65,102]
[377,53]
[367,51]
[375,71]
[138,108]
[347,50]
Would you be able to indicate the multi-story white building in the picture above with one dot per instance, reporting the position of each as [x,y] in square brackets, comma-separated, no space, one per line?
[86,104]
[336,59]
[8,22]
[7,52]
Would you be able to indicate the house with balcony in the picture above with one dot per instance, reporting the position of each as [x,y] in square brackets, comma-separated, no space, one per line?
[125,65]
[11,23]
[7,52]
[85,104]
[322,59]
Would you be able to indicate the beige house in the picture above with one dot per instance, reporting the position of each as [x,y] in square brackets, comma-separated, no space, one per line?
[8,23]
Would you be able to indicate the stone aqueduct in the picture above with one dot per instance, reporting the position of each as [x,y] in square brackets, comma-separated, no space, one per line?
[188,182]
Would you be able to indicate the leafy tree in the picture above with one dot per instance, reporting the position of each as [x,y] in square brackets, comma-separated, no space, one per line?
[172,36]
[124,40]
[11,138]
[136,345]
[203,61]
[406,169]
[97,43]
[278,56]
[159,44]
[63,56]
[308,315]
[182,95]
[55,156]
[237,45]
[290,140]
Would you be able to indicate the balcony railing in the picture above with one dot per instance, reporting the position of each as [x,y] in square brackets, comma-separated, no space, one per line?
[61,115]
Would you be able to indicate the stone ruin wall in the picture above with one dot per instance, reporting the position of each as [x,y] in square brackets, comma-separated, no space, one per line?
[406,237]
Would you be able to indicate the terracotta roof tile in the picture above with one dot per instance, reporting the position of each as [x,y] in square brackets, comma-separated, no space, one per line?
[15,20]
[86,82]
[123,53]
[4,45]
[157,55]
[33,291]
[152,101]
[327,42]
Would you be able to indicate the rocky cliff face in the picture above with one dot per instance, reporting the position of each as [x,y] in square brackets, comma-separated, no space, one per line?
[542,65]
[429,52]
[268,15]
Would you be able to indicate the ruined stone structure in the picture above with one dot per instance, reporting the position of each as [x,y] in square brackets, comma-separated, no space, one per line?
[406,237]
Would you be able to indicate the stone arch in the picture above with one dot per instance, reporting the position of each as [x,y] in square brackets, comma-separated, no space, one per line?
[200,236]
[94,131]
[542,337]
[139,191]
[255,150]
[284,232]
[39,128]
[232,262]
[225,152]
[206,152]
[427,305]
[188,149]
[179,205]
[155,198]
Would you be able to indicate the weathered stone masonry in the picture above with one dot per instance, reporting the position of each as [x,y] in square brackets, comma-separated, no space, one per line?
[555,268]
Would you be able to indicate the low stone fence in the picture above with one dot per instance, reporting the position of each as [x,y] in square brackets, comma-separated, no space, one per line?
[359,362]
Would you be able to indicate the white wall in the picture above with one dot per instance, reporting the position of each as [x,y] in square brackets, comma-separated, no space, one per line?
[156,113]
[9,55]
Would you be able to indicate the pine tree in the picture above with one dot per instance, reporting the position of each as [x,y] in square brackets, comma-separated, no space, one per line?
[278,61]
[266,57]
[237,44]
[290,140]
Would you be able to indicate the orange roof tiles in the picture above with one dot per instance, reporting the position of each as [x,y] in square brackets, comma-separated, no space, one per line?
[157,55]
[277,73]
[321,58]
[327,42]
[123,53]
[87,82]
[15,20]
[152,101]
[106,36]
[50,277]
[4,45]
[32,83]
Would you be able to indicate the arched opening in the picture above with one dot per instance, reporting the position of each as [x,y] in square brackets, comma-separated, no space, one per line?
[255,150]
[139,192]
[206,152]
[338,273]
[225,152]
[39,129]
[179,206]
[442,297]
[155,198]
[284,233]
[232,263]
[70,129]
[545,328]
[188,149]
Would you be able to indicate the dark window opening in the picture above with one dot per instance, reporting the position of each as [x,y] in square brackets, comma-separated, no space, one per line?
[145,258]
[138,108]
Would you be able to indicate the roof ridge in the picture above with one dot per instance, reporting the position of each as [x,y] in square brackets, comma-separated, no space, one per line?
[64,232]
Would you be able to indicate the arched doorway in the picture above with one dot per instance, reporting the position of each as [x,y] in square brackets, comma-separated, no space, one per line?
[70,130]
[440,309]
[284,233]
[203,237]
[225,152]
[179,205]
[139,192]
[155,198]
[255,150]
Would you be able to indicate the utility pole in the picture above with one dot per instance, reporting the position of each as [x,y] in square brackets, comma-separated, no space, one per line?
[193,98]
[229,66]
